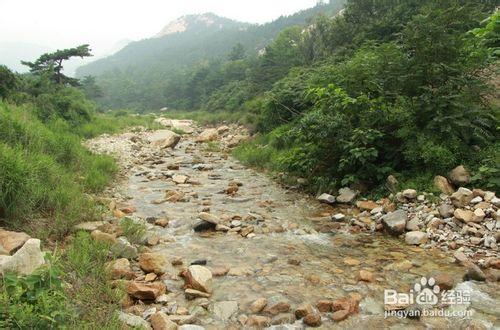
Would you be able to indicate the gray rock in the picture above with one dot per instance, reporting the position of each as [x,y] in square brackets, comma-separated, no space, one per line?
[446,210]
[224,310]
[410,193]
[395,222]
[415,238]
[326,198]
[123,249]
[413,224]
[476,200]
[459,175]
[346,195]
[133,321]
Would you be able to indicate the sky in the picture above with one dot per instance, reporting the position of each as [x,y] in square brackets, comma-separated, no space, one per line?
[104,24]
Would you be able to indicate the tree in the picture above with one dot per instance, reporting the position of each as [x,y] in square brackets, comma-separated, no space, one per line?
[237,53]
[91,89]
[8,81]
[52,64]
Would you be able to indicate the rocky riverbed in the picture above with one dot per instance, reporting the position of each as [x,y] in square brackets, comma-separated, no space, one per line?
[226,247]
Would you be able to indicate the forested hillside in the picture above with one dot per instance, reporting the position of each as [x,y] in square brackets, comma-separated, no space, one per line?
[158,72]
[385,87]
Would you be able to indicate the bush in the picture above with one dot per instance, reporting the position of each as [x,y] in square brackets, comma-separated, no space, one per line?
[36,301]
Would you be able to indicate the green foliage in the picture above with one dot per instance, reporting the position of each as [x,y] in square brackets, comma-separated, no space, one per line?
[36,301]
[490,34]
[8,81]
[402,90]
[69,104]
[237,52]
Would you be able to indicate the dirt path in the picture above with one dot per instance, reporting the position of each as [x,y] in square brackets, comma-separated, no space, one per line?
[269,244]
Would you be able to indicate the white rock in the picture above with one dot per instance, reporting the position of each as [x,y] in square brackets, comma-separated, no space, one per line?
[476,200]
[326,198]
[415,237]
[338,217]
[25,261]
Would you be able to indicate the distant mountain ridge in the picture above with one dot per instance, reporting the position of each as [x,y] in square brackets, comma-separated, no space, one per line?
[192,38]
[146,74]
[192,22]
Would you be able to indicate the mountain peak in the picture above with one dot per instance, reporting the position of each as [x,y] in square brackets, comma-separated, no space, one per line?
[206,20]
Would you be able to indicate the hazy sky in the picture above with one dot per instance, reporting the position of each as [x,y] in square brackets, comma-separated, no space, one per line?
[104,23]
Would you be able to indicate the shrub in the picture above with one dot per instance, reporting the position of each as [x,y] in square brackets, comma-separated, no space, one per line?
[36,301]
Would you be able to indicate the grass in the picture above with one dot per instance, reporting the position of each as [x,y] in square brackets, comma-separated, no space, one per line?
[45,174]
[84,263]
[133,230]
[115,122]
[212,146]
[71,291]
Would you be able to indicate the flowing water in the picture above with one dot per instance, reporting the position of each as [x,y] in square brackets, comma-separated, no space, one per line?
[287,227]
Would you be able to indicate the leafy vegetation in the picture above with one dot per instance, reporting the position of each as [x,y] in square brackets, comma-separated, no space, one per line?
[71,291]
[45,178]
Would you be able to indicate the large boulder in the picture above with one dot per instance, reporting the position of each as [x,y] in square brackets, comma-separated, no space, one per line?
[25,261]
[164,139]
[395,222]
[346,195]
[11,241]
[199,278]
[441,183]
[459,175]
[210,134]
